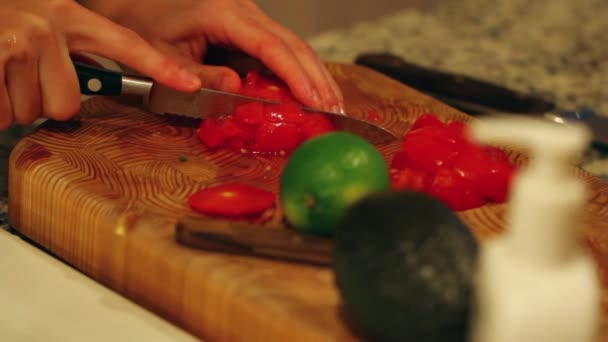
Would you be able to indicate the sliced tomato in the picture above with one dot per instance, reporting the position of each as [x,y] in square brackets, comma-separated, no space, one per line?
[276,137]
[265,128]
[498,182]
[431,147]
[284,112]
[250,113]
[210,133]
[426,119]
[265,86]
[455,191]
[472,164]
[463,173]
[410,179]
[232,199]
[400,161]
[458,130]
[490,172]
[315,124]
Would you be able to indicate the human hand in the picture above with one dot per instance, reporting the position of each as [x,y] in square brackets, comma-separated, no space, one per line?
[185,29]
[37,77]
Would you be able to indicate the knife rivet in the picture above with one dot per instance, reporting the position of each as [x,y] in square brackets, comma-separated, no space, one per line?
[94,84]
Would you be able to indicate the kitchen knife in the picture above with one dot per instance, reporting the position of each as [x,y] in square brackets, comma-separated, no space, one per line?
[475,96]
[247,239]
[201,104]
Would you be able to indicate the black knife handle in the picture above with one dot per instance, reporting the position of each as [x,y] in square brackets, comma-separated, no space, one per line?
[97,81]
[453,88]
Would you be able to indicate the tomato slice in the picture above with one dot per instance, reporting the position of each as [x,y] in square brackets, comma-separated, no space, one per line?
[491,171]
[426,119]
[265,86]
[210,133]
[276,137]
[284,112]
[431,147]
[315,124]
[232,199]
[498,182]
[250,113]
[462,173]
[410,179]
[472,164]
[265,128]
[455,191]
[458,130]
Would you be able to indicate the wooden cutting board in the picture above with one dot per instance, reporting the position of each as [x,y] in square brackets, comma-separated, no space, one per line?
[103,193]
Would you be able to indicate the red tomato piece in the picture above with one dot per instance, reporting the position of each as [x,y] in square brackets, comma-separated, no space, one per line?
[210,133]
[458,130]
[230,128]
[276,137]
[315,124]
[400,161]
[455,191]
[236,135]
[250,113]
[431,147]
[490,173]
[265,128]
[232,199]
[284,112]
[265,86]
[426,119]
[472,164]
[410,179]
[498,183]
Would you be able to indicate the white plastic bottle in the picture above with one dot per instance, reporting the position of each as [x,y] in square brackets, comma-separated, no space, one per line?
[535,282]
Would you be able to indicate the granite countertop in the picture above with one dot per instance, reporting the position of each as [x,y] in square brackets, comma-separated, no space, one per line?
[557,48]
[554,48]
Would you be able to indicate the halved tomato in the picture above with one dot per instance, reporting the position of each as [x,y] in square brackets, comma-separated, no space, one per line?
[232,199]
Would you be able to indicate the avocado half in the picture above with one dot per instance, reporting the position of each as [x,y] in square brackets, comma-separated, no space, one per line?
[404,266]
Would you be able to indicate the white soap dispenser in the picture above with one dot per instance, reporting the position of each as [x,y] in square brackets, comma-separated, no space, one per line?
[535,282]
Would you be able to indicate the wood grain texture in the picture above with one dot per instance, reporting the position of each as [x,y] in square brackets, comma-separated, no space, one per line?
[104,191]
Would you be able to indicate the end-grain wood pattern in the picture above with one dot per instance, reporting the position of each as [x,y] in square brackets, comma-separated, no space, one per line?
[103,192]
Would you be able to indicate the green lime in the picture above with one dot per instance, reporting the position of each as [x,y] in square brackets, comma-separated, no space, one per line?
[327,174]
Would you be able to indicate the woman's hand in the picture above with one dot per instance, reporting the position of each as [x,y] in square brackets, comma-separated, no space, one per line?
[185,29]
[37,77]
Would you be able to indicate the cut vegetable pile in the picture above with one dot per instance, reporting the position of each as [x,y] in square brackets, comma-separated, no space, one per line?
[435,158]
[264,128]
[439,159]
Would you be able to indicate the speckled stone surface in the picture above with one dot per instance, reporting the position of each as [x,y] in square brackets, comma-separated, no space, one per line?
[556,48]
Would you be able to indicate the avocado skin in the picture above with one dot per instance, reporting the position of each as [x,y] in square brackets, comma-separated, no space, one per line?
[404,266]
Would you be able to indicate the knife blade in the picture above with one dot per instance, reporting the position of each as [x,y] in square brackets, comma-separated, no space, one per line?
[204,103]
[478,97]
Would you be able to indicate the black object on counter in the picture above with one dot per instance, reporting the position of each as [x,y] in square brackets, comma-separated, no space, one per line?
[465,93]
[404,266]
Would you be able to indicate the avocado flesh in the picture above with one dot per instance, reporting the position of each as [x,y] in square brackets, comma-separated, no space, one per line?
[404,265]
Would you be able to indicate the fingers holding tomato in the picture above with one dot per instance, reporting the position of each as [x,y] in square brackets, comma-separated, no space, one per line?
[194,25]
